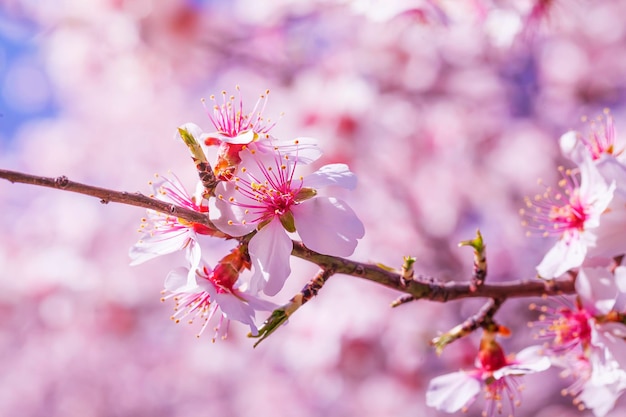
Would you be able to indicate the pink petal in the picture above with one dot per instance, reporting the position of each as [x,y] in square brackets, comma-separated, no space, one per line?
[328,225]
[151,246]
[270,251]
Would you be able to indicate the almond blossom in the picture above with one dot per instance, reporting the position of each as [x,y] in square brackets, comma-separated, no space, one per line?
[266,197]
[203,292]
[600,142]
[602,145]
[236,129]
[164,233]
[495,374]
[573,214]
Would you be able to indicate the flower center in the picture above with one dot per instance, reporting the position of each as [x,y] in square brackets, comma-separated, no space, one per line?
[570,216]
[557,212]
[276,202]
[565,327]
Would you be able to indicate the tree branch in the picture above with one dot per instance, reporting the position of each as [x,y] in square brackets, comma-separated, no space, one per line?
[420,288]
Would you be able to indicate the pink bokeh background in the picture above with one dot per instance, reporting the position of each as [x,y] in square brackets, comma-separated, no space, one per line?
[448,115]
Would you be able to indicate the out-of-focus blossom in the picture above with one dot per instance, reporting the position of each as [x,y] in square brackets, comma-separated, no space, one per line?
[494,373]
[266,195]
[572,214]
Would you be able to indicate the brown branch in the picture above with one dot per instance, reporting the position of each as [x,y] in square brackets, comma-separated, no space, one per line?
[420,288]
[107,196]
[483,318]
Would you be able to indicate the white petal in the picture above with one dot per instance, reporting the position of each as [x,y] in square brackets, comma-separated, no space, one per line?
[176,280]
[594,189]
[193,129]
[270,251]
[562,257]
[451,392]
[572,147]
[333,174]
[328,225]
[597,289]
[613,170]
[157,244]
[610,336]
[620,281]
[234,308]
[301,150]
[243,138]
[609,233]
[227,217]
[599,399]
[527,361]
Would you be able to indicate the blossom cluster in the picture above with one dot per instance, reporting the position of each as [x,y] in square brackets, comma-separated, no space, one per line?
[257,199]
[587,215]
[589,218]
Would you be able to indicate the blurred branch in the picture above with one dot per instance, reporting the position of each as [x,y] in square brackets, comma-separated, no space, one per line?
[419,288]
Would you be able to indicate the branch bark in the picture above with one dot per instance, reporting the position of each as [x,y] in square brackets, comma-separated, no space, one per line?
[420,288]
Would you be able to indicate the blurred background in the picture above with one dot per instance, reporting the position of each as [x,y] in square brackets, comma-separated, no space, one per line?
[448,111]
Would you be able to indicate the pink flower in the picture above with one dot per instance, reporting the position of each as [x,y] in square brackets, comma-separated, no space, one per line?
[236,129]
[588,340]
[495,374]
[235,126]
[164,233]
[602,146]
[266,196]
[573,215]
[600,142]
[202,293]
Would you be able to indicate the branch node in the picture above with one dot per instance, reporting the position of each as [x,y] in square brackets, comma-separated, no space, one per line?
[61,182]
